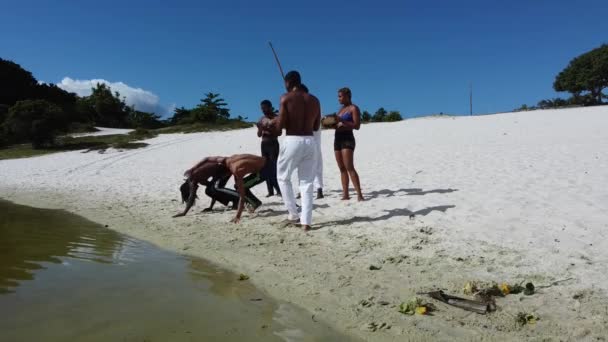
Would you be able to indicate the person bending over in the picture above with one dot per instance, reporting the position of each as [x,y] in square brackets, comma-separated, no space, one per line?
[212,173]
[248,171]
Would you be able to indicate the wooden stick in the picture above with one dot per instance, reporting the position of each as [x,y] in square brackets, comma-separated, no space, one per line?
[277,59]
[462,303]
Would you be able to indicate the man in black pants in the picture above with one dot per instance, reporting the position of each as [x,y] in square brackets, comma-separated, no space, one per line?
[270,147]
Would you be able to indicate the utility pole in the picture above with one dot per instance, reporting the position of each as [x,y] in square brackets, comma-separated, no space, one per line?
[471,98]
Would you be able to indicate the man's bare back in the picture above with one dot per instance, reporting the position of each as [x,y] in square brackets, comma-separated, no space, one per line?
[241,165]
[299,113]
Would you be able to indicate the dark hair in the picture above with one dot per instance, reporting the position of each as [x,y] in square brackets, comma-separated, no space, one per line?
[304,88]
[266,102]
[293,77]
[346,91]
[185,190]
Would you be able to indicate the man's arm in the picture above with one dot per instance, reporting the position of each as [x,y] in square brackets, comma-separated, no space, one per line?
[317,123]
[280,131]
[280,121]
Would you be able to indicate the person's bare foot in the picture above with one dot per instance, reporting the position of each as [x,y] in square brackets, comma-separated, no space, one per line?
[345,198]
[360,199]
[306,227]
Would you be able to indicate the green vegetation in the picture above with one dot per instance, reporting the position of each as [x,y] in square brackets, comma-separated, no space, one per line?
[205,127]
[585,78]
[87,144]
[40,114]
[381,115]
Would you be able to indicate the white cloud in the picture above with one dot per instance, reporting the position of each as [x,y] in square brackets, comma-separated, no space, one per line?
[141,99]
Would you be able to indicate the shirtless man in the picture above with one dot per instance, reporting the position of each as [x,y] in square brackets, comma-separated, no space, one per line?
[318,182]
[270,147]
[217,168]
[241,165]
[300,116]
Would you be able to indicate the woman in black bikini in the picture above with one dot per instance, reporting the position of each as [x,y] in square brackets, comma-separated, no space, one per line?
[349,118]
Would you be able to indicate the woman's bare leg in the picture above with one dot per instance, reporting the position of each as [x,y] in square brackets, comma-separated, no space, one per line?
[343,175]
[348,161]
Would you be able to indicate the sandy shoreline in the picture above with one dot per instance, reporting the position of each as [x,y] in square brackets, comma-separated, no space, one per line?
[510,197]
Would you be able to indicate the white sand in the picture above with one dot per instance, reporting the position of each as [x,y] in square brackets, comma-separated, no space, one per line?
[104,131]
[509,197]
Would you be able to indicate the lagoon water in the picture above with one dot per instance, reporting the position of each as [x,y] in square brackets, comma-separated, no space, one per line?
[64,278]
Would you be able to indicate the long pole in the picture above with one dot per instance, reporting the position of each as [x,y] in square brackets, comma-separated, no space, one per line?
[277,59]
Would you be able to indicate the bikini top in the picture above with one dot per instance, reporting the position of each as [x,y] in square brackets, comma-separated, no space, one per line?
[347,116]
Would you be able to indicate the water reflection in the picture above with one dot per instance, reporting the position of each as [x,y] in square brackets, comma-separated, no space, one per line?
[31,237]
[63,278]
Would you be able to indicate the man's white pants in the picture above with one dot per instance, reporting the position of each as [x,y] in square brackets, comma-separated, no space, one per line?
[318,182]
[297,152]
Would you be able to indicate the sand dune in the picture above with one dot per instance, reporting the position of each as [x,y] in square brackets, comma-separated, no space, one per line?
[509,197]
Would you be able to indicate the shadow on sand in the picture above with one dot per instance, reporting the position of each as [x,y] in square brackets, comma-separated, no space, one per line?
[275,213]
[389,214]
[407,192]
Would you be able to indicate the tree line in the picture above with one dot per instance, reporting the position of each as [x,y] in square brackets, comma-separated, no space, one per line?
[36,112]
[585,78]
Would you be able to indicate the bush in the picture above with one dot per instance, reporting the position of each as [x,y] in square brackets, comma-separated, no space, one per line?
[137,119]
[393,116]
[3,138]
[379,115]
[366,116]
[140,132]
[3,113]
[36,121]
[79,127]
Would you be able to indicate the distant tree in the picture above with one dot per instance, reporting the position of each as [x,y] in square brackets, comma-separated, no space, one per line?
[552,103]
[523,107]
[586,74]
[379,115]
[214,108]
[181,115]
[108,109]
[202,113]
[16,83]
[37,121]
[137,119]
[558,102]
[545,104]
[393,116]
[3,138]
[366,116]
[3,113]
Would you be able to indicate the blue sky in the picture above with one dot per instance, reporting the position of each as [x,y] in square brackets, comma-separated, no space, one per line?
[417,57]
